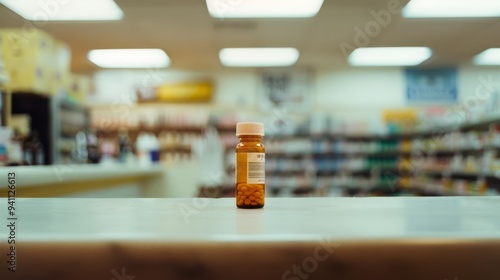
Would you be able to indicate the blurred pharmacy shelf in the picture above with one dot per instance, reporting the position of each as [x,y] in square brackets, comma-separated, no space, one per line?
[306,163]
[455,160]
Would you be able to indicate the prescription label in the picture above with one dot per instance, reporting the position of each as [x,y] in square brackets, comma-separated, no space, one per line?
[250,168]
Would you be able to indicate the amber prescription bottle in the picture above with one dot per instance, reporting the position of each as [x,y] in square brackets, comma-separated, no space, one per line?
[250,165]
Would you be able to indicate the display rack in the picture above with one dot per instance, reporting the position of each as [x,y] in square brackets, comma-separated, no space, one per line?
[175,141]
[389,165]
[452,160]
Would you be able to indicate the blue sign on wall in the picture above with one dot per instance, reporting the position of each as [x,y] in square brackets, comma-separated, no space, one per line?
[431,85]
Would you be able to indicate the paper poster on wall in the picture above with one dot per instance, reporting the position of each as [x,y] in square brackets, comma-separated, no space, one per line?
[431,85]
[289,89]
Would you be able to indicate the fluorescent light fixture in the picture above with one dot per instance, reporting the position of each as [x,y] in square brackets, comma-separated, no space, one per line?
[67,10]
[258,57]
[488,57]
[392,56]
[263,8]
[451,8]
[129,58]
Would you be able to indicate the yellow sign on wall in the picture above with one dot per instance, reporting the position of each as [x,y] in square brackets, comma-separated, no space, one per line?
[185,92]
[399,114]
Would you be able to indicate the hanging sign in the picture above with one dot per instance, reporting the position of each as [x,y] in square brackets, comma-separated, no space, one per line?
[431,85]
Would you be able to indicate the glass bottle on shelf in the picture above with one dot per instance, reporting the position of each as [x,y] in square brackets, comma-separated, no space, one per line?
[5,133]
[124,147]
[81,147]
[16,156]
[33,150]
[93,153]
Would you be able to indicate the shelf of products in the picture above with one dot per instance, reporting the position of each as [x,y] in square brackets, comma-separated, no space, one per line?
[174,143]
[70,132]
[333,164]
[461,160]
[175,132]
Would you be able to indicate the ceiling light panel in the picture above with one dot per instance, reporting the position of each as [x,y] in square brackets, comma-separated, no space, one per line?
[390,56]
[451,9]
[263,8]
[67,10]
[258,57]
[488,57]
[129,58]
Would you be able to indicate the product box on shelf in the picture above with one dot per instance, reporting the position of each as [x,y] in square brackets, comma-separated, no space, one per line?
[78,88]
[28,55]
[400,120]
[61,73]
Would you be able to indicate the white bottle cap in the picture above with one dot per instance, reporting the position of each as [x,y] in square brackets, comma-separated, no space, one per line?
[249,128]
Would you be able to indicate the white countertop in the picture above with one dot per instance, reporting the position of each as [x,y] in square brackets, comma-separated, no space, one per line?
[291,238]
[292,219]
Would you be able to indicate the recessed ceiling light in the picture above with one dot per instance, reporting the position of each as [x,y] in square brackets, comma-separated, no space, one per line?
[391,56]
[68,10]
[129,58]
[264,8]
[488,57]
[258,57]
[451,8]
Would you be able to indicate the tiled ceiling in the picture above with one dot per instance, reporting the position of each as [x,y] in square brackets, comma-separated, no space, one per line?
[184,29]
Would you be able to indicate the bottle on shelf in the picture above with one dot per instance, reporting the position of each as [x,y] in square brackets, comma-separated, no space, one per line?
[142,146]
[81,147]
[126,154]
[33,150]
[107,149]
[93,152]
[16,154]
[123,145]
[154,148]
[5,133]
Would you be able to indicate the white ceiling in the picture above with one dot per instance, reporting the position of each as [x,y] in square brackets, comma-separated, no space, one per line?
[192,39]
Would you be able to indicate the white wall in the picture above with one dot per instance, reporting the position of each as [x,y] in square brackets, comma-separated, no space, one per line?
[363,93]
[354,93]
[359,94]
[472,79]
[232,88]
[236,88]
